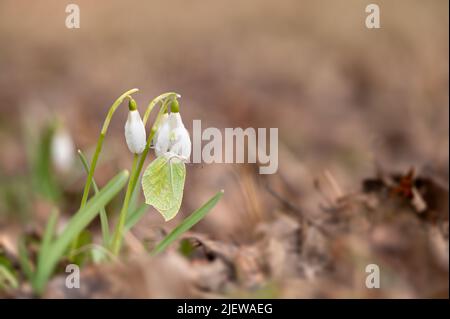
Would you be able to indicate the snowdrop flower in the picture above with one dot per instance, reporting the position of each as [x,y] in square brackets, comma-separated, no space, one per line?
[134,130]
[62,150]
[172,138]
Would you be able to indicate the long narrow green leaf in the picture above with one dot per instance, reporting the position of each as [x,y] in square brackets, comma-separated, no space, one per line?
[48,236]
[7,279]
[186,224]
[43,178]
[77,223]
[133,205]
[135,216]
[103,217]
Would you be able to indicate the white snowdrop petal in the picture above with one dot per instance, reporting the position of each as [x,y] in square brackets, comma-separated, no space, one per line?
[182,146]
[162,122]
[161,139]
[135,135]
[173,138]
[175,120]
[62,150]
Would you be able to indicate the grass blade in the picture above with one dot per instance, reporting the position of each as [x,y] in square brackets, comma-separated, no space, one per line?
[48,236]
[7,279]
[103,217]
[135,216]
[43,177]
[76,224]
[186,224]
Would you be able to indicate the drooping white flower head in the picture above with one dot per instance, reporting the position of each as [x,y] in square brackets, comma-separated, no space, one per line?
[172,138]
[135,130]
[62,150]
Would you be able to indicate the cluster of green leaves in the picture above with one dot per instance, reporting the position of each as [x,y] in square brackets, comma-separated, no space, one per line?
[53,247]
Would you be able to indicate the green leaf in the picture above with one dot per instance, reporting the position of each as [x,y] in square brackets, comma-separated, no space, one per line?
[163,185]
[48,236]
[5,262]
[134,216]
[7,278]
[186,224]
[81,255]
[76,224]
[103,217]
[43,177]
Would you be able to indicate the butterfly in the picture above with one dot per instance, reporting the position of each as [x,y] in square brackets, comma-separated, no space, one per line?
[163,184]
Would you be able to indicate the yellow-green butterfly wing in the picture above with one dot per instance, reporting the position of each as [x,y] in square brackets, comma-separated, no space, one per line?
[163,185]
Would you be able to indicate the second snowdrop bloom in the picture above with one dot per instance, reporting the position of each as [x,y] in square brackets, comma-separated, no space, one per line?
[135,130]
[62,150]
[172,138]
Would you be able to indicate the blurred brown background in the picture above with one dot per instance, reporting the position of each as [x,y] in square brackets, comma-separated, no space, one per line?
[342,96]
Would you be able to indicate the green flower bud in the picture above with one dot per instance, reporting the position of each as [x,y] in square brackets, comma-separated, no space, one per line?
[132,106]
[174,107]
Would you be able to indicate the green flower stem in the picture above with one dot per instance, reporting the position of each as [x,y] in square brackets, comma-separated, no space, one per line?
[98,149]
[101,138]
[103,216]
[155,101]
[118,234]
[137,167]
